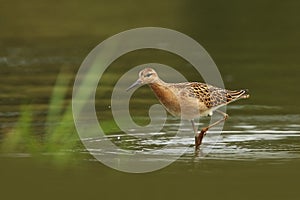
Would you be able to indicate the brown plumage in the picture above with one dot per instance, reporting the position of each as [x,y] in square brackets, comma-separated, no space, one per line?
[189,100]
[213,96]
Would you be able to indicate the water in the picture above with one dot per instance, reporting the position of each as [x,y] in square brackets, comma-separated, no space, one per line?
[254,45]
[271,137]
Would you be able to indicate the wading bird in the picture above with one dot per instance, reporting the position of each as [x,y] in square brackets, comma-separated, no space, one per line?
[189,100]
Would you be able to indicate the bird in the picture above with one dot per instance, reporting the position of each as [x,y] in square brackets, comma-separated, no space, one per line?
[190,100]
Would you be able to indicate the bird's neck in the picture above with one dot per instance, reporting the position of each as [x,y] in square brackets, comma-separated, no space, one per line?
[166,96]
[158,86]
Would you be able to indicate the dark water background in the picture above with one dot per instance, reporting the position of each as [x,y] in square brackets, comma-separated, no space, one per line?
[254,44]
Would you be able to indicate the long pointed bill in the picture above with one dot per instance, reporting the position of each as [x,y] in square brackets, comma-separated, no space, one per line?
[138,82]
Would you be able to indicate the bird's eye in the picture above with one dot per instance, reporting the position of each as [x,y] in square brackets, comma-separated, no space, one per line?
[148,75]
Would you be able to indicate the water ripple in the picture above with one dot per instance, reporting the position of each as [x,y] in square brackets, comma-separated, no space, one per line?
[247,144]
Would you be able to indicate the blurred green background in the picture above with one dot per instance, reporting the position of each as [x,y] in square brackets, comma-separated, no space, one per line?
[255,44]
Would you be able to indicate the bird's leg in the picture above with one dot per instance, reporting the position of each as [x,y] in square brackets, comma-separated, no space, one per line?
[225,116]
[199,136]
[199,139]
[203,130]
[195,131]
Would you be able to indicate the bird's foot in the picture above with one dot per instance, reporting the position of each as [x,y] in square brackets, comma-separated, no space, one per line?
[198,139]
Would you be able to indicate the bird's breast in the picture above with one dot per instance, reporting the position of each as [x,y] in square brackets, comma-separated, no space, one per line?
[167,97]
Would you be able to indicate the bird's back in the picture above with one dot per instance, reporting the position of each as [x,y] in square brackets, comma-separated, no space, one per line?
[213,96]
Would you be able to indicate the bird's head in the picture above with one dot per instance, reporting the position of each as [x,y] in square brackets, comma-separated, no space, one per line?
[146,76]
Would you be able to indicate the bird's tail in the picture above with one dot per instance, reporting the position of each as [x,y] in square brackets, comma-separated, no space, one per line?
[233,95]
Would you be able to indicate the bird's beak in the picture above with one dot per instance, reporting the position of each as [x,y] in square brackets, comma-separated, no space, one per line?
[138,82]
